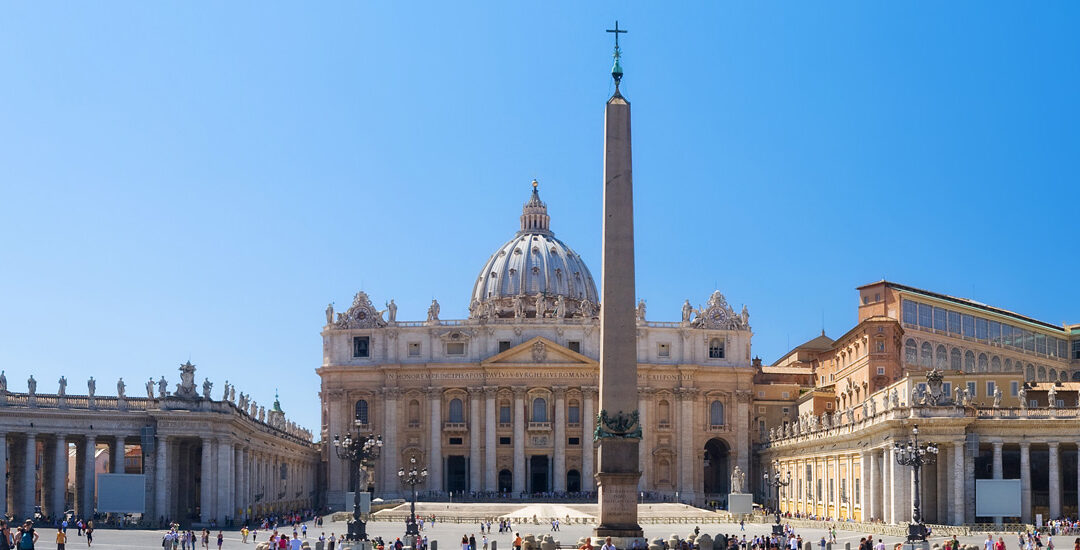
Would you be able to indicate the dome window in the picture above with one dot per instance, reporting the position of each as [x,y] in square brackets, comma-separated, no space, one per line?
[536,250]
[517,251]
[536,270]
[554,250]
[494,275]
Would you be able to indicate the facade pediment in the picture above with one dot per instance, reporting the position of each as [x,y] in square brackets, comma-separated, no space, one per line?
[538,351]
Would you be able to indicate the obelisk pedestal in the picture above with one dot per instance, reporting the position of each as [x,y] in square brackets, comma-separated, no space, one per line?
[618,430]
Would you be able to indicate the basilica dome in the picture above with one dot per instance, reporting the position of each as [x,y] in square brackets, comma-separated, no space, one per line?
[534,271]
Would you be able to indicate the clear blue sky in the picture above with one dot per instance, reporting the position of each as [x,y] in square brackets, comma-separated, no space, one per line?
[199,180]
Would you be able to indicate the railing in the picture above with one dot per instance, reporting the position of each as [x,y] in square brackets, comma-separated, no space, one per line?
[454,426]
[665,324]
[539,426]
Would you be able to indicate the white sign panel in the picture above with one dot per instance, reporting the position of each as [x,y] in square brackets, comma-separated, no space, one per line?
[997,497]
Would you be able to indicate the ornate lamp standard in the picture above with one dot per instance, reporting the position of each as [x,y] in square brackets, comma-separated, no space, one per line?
[776,482]
[412,478]
[361,452]
[914,455]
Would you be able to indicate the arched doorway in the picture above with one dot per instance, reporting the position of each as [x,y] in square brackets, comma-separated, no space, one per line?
[506,481]
[717,476]
[538,474]
[573,481]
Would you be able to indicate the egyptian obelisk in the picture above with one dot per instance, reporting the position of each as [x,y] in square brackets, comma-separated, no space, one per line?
[618,431]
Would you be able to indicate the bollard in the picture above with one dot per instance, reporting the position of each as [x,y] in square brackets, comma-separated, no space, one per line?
[494,545]
[847,546]
[434,545]
[808,546]
[828,546]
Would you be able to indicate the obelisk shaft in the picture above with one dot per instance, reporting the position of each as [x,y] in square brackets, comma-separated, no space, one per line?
[619,471]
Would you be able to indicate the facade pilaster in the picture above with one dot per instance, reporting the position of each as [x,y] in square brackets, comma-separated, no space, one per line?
[238,482]
[435,462]
[958,503]
[888,488]
[491,470]
[475,434]
[4,468]
[519,439]
[89,476]
[588,444]
[59,481]
[206,483]
[559,484]
[686,444]
[1055,481]
[391,485]
[643,447]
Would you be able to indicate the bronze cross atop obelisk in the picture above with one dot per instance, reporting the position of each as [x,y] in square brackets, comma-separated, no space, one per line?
[616,69]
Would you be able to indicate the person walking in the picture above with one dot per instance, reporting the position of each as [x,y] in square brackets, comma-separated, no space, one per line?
[61,538]
[27,537]
[220,539]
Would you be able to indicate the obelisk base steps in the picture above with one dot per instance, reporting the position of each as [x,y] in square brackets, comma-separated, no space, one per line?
[617,496]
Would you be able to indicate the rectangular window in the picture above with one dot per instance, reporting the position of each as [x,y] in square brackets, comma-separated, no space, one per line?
[990,387]
[971,389]
[969,326]
[911,313]
[1076,349]
[455,441]
[926,316]
[504,415]
[995,332]
[1029,340]
[785,395]
[786,410]
[1060,403]
[574,441]
[828,405]
[954,322]
[981,328]
[881,371]
[414,349]
[946,388]
[504,441]
[1032,403]
[761,395]
[857,500]
[663,349]
[361,346]
[504,345]
[1014,388]
[819,489]
[574,346]
[1040,343]
[574,416]
[455,348]
[1006,335]
[941,319]
[761,410]
[831,493]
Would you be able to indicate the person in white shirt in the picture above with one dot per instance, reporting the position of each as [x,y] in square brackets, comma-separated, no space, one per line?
[607,545]
[295,543]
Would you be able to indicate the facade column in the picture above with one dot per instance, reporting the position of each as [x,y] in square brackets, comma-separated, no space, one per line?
[943,485]
[1025,482]
[161,466]
[519,440]
[3,468]
[475,433]
[868,485]
[686,445]
[223,480]
[29,477]
[491,467]
[391,485]
[206,485]
[896,493]
[1055,482]
[559,484]
[116,460]
[435,458]
[958,500]
[643,448]
[998,470]
[60,474]
[89,477]
[238,482]
[588,423]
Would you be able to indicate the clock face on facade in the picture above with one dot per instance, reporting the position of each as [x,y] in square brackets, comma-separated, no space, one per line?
[719,315]
[361,315]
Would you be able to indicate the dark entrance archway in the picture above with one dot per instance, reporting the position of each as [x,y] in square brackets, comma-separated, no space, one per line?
[457,477]
[717,476]
[573,481]
[506,481]
[538,474]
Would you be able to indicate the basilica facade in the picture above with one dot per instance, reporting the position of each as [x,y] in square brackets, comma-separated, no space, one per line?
[504,401]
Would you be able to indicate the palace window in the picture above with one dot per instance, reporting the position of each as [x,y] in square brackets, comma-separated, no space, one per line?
[414,349]
[362,412]
[971,387]
[663,349]
[1014,388]
[504,345]
[455,348]
[942,357]
[990,387]
[361,346]
[946,388]
[456,441]
[969,361]
[716,414]
[574,346]
[504,414]
[574,441]
[504,441]
[926,355]
[456,412]
[881,371]
[911,352]
[926,316]
[414,414]
[539,410]
[955,363]
[663,413]
[716,348]
[574,413]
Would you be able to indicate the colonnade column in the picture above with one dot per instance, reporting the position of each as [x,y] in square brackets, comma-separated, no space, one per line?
[958,474]
[60,473]
[1025,482]
[943,485]
[3,468]
[869,509]
[491,469]
[519,440]
[1055,482]
[588,419]
[998,470]
[391,484]
[89,477]
[206,485]
[116,459]
[560,439]
[160,484]
[475,460]
[643,449]
[238,485]
[886,484]
[224,480]
[435,457]
[30,476]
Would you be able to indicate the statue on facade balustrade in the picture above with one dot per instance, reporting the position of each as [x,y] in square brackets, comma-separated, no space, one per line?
[63,387]
[207,385]
[851,415]
[1022,394]
[997,397]
[232,394]
[31,385]
[826,421]
[560,307]
[540,303]
[150,388]
[91,387]
[959,399]
[391,311]
[894,398]
[687,311]
[873,406]
[865,409]
[3,382]
[262,414]
[1051,396]
[641,310]
[121,387]
[433,310]
[225,392]
[163,388]
[330,313]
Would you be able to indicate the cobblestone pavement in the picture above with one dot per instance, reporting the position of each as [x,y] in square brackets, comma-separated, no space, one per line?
[449,535]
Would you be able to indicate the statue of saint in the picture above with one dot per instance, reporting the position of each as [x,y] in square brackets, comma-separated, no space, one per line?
[232,394]
[207,385]
[541,306]
[997,397]
[330,313]
[150,388]
[560,306]
[433,310]
[641,310]
[1051,396]
[873,407]
[163,388]
[120,387]
[91,387]
[895,398]
[31,385]
[225,395]
[391,311]
[687,310]
[1022,394]
[737,480]
[745,316]
[63,387]
[3,382]
[519,307]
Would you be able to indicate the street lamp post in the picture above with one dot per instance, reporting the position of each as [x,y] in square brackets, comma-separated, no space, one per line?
[412,478]
[914,455]
[776,482]
[361,453]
